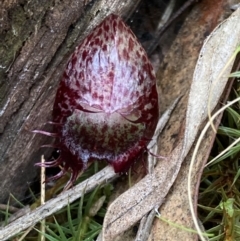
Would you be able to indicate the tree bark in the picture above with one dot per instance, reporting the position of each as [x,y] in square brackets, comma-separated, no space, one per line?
[36,39]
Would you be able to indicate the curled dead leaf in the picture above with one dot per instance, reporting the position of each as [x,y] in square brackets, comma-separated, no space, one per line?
[208,83]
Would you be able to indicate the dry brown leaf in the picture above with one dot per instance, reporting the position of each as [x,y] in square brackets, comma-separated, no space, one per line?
[209,79]
[176,208]
[150,191]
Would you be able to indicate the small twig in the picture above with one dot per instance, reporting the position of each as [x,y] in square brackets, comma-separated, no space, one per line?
[156,40]
[166,15]
[145,226]
[42,200]
[43,186]
[152,146]
[26,233]
[57,203]
[11,209]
